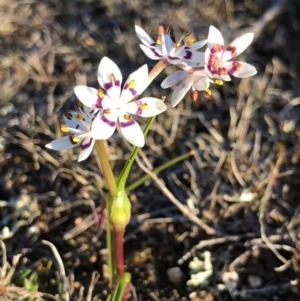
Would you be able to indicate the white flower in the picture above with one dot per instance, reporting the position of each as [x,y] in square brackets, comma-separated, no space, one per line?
[115,107]
[165,48]
[217,64]
[184,81]
[78,124]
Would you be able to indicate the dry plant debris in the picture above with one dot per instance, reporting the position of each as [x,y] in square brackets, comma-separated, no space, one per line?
[237,197]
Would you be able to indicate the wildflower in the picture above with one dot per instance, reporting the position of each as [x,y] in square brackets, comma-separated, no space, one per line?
[113,107]
[217,62]
[78,124]
[165,48]
[196,80]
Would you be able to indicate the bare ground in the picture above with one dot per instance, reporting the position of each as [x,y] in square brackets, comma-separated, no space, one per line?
[236,196]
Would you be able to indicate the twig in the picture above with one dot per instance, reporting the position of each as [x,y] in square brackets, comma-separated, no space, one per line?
[190,215]
[61,267]
[95,278]
[265,200]
[212,242]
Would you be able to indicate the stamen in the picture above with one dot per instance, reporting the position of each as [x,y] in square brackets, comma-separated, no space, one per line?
[188,33]
[112,78]
[127,117]
[219,82]
[64,128]
[143,106]
[131,84]
[190,42]
[168,30]
[78,104]
[207,93]
[160,32]
[79,116]
[107,111]
[74,139]
[100,93]
[68,115]
[232,49]
[217,48]
[194,95]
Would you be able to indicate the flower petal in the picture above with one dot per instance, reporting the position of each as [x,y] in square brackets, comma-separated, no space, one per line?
[86,148]
[131,131]
[135,84]
[215,38]
[143,36]
[180,91]
[154,53]
[110,78]
[61,143]
[174,79]
[87,95]
[104,126]
[198,45]
[201,82]
[240,69]
[237,46]
[146,107]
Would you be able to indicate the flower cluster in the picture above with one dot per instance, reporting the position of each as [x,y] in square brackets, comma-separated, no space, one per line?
[108,108]
[103,110]
[199,69]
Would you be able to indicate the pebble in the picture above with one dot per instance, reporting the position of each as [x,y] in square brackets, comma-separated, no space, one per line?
[254,281]
[175,275]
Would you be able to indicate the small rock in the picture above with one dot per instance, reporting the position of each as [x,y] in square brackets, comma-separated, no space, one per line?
[175,275]
[254,281]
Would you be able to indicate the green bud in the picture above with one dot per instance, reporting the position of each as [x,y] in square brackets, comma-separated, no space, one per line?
[120,211]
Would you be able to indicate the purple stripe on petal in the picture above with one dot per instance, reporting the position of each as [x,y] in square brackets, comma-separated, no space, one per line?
[124,124]
[139,111]
[125,86]
[86,145]
[99,103]
[107,86]
[188,55]
[107,121]
[117,83]
[153,49]
[133,91]
[173,57]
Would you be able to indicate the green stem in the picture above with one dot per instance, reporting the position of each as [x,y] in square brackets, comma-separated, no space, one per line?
[107,172]
[121,182]
[158,169]
[112,187]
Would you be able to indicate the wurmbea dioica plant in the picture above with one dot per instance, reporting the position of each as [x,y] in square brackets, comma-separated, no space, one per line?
[111,107]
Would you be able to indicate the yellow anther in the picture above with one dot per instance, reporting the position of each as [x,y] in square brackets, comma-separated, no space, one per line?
[107,111]
[100,93]
[219,82]
[188,33]
[131,84]
[159,40]
[79,116]
[127,117]
[207,93]
[144,106]
[112,78]
[191,42]
[75,139]
[64,128]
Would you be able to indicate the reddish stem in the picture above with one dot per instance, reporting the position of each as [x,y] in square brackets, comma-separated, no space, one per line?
[119,252]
